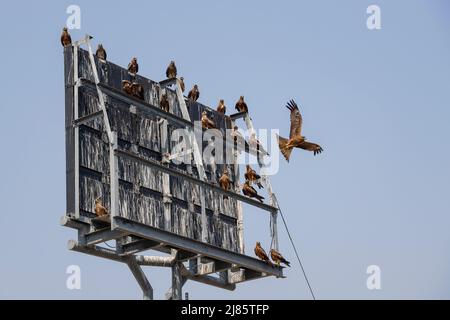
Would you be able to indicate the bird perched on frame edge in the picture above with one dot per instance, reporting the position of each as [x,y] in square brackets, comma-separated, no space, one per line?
[249,191]
[164,103]
[225,182]
[101,52]
[66,39]
[100,210]
[127,87]
[207,123]
[260,253]
[171,71]
[133,66]
[252,176]
[221,108]
[278,258]
[194,94]
[241,106]
[296,140]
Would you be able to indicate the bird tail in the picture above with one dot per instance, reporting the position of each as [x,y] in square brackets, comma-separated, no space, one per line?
[285,150]
[259,185]
[260,198]
[287,263]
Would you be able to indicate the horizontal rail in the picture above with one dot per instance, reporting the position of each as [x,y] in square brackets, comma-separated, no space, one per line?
[192,245]
[194,180]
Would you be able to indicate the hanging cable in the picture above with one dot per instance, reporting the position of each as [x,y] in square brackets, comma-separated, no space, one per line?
[296,252]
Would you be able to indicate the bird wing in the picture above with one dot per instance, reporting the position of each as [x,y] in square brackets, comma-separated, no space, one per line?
[311,147]
[296,119]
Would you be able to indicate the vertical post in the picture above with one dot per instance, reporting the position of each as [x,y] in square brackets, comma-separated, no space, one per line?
[177,281]
[141,279]
[77,130]
[167,199]
[240,216]
[114,178]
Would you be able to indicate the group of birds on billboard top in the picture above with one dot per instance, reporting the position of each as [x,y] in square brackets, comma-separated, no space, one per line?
[295,140]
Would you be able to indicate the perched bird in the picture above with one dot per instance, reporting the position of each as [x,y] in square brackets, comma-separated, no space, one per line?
[137,90]
[66,40]
[194,94]
[221,108]
[183,88]
[101,52]
[260,253]
[171,71]
[225,182]
[241,106]
[252,176]
[164,103]
[296,140]
[100,210]
[249,191]
[127,87]
[278,258]
[133,66]
[207,123]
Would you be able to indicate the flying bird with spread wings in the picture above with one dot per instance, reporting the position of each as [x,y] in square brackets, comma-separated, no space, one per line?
[171,71]
[296,140]
[278,258]
[221,108]
[225,182]
[241,106]
[164,103]
[66,39]
[101,53]
[194,94]
[260,253]
[249,191]
[100,210]
[133,66]
[253,177]
[207,123]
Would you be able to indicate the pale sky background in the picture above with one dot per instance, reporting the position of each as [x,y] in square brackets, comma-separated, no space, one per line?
[377,101]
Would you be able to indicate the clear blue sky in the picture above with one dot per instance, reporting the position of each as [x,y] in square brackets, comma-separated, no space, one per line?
[378,102]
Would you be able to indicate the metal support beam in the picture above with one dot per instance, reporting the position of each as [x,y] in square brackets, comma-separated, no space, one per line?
[142,280]
[138,246]
[154,261]
[204,249]
[101,236]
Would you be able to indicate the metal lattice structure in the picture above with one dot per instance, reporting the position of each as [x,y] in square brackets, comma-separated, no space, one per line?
[119,148]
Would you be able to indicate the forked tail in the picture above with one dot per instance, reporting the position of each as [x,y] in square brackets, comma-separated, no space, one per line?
[283,145]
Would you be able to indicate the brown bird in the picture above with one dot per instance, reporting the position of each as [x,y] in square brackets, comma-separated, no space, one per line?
[183,88]
[252,176]
[296,140]
[171,71]
[137,90]
[249,191]
[237,135]
[127,87]
[260,253]
[241,106]
[278,258]
[194,94]
[164,103]
[225,182]
[221,108]
[207,123]
[133,66]
[100,210]
[101,52]
[66,40]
